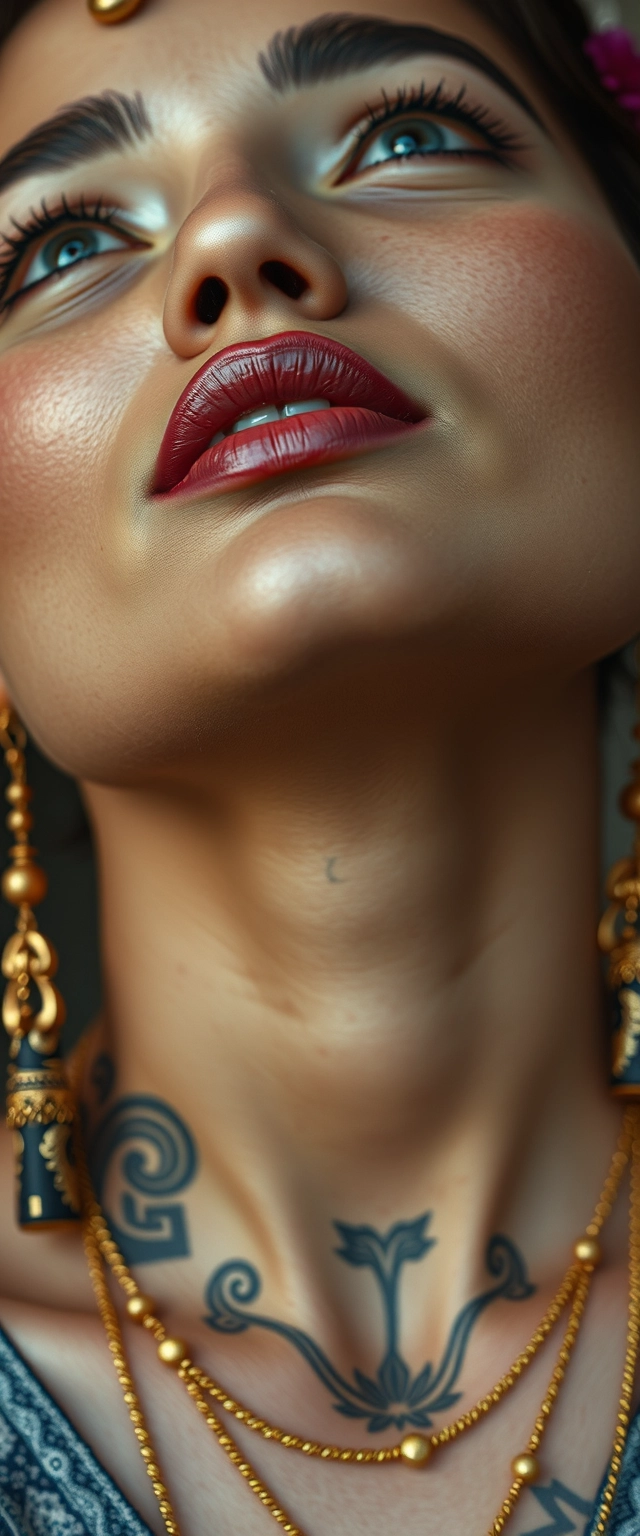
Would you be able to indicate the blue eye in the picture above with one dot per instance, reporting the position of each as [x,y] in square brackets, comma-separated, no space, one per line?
[68,248]
[431,123]
[414,143]
[421,136]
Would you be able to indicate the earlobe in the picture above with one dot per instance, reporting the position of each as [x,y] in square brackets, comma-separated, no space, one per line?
[5,701]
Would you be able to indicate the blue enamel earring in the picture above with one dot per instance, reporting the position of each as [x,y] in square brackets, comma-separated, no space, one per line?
[619,938]
[40,1107]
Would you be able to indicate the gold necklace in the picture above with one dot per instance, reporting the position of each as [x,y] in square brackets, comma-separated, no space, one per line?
[414,1450]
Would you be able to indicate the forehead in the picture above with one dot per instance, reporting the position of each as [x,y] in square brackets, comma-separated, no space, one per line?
[192,59]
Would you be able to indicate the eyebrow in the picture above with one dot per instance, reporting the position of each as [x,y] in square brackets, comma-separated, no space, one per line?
[82,131]
[341,44]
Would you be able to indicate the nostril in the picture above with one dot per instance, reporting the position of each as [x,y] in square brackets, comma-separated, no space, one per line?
[210,300]
[284,277]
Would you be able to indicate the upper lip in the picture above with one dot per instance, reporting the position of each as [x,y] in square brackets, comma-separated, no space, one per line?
[296,365]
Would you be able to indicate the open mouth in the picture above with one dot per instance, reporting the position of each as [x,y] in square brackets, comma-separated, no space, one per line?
[261,408]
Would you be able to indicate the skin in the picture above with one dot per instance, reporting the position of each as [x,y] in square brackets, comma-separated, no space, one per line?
[337,737]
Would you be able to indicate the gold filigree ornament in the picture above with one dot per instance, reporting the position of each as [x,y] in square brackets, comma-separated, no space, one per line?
[619,938]
[110,12]
[54,1148]
[33,1013]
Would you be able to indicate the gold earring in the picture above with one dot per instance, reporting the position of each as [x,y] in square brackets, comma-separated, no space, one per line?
[619,938]
[40,1107]
[111,11]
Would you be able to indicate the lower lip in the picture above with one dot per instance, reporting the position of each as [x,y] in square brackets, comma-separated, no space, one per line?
[297,442]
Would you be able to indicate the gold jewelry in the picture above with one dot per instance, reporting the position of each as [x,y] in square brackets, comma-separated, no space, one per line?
[415,1450]
[619,938]
[40,1107]
[110,12]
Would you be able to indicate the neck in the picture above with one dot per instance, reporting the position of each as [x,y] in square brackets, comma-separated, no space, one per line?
[361,968]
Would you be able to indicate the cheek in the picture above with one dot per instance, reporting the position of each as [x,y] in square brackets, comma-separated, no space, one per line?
[63,397]
[531,317]
[549,308]
[49,443]
[540,309]
[552,306]
[61,401]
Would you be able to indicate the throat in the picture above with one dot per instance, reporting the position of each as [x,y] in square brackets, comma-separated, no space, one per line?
[365,982]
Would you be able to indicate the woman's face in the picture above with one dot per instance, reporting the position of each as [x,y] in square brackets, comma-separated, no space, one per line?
[420,208]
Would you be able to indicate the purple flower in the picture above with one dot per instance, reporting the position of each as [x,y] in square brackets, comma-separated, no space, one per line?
[616,57]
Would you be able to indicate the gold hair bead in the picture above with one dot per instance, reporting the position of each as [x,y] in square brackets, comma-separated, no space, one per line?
[588,1251]
[172,1351]
[526,1467]
[416,1450]
[111,11]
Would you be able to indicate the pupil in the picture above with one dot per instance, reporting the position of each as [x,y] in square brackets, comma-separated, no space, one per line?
[71,251]
[67,249]
[420,139]
[404,144]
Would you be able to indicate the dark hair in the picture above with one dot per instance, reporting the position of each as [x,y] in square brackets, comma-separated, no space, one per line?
[549,36]
[12,11]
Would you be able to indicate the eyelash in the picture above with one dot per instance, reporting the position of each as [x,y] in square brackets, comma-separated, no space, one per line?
[44,221]
[501,143]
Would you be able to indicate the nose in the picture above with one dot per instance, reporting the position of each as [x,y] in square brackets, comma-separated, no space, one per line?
[239,255]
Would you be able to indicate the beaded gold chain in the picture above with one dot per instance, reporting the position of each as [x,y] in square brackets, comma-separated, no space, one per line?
[414,1450]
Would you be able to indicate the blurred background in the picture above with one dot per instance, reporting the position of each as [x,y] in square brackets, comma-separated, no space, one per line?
[614,13]
[69,915]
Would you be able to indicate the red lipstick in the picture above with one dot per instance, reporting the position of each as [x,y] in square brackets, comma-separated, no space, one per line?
[366,411]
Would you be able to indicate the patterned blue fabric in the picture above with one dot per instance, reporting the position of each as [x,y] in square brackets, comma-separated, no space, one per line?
[51,1484]
[626,1510]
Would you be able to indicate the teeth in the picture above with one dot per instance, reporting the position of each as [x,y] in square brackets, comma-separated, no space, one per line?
[300,407]
[271,413]
[256,418]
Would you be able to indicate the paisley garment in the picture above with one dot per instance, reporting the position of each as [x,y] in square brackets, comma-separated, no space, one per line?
[52,1484]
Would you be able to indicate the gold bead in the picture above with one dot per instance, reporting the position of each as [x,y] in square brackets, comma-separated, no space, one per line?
[416,1450]
[19,821]
[110,11]
[44,1043]
[18,794]
[587,1250]
[24,885]
[526,1467]
[172,1351]
[140,1306]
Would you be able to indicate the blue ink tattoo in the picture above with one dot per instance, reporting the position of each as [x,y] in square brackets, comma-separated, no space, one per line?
[144,1146]
[555,1501]
[394,1396]
[102,1077]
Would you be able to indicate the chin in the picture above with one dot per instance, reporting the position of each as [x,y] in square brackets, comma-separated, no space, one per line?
[315,575]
